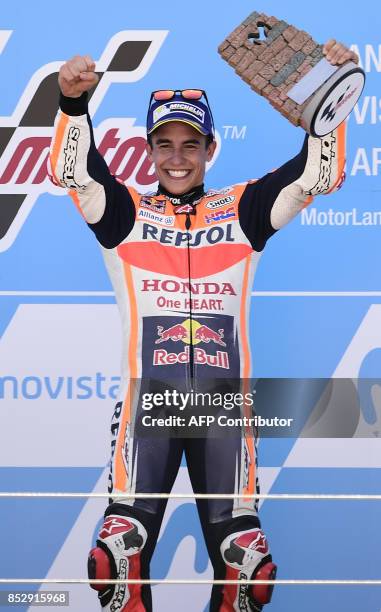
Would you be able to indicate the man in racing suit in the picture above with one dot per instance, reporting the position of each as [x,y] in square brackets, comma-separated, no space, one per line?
[182,262]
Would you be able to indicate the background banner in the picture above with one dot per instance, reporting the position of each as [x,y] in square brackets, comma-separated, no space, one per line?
[316,301]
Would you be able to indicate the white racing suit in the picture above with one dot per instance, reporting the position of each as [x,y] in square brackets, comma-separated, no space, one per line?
[182,270]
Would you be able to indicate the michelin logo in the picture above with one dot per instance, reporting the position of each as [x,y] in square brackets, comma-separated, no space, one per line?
[173,107]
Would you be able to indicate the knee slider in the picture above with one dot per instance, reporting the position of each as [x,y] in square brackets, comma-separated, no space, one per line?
[248,553]
[120,538]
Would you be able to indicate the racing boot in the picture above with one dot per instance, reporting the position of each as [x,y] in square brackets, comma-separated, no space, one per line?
[247,557]
[117,556]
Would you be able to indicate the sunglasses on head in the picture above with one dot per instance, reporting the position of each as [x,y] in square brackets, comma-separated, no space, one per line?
[168,94]
[162,95]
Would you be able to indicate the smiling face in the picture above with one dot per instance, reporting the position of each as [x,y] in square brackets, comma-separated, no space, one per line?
[180,154]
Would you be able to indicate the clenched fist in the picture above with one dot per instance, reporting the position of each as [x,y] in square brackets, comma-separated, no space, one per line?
[77,76]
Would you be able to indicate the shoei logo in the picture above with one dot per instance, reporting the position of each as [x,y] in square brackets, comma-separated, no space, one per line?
[220,202]
[25,136]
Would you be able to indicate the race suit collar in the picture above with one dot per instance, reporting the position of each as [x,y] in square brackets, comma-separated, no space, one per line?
[190,197]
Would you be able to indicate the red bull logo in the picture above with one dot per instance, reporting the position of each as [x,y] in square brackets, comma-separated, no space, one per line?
[200,356]
[190,329]
[175,333]
[206,334]
[192,332]
[154,204]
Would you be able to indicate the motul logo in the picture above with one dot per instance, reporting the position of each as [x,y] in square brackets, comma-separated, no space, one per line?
[26,159]
[25,136]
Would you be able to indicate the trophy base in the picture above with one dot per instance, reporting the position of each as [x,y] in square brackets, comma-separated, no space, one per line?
[331,104]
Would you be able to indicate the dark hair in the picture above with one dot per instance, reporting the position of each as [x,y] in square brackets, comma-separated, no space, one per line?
[208,141]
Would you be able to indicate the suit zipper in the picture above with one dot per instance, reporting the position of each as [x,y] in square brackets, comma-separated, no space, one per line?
[191,347]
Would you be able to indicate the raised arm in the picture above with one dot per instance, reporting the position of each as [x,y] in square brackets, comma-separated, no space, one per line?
[274,200]
[76,164]
[271,202]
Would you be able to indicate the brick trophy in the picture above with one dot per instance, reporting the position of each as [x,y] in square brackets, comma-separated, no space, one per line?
[288,68]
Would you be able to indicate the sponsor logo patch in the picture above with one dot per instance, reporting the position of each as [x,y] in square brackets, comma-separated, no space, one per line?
[200,357]
[168,285]
[338,102]
[156,218]
[178,341]
[220,202]
[185,208]
[151,203]
[120,591]
[70,152]
[202,237]
[220,215]
[223,191]
[176,107]
[114,525]
[326,162]
[180,295]
[191,332]
[254,540]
